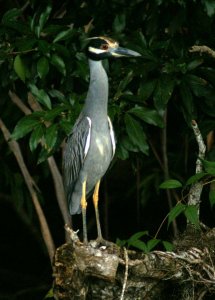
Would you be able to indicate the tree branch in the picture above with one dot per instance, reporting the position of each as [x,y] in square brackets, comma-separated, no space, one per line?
[57,178]
[196,189]
[203,49]
[14,146]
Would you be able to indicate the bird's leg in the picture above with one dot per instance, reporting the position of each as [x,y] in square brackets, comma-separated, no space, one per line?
[83,209]
[95,202]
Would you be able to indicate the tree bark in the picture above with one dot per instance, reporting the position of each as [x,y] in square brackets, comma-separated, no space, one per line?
[92,272]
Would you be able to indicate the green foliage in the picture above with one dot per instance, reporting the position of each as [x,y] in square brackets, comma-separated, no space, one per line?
[136,242]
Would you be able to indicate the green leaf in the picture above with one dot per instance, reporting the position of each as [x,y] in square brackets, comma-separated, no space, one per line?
[212,194]
[136,133]
[11,15]
[63,35]
[119,23]
[146,89]
[42,67]
[191,213]
[121,243]
[149,116]
[163,92]
[194,64]
[170,184]
[24,126]
[168,246]
[53,113]
[19,68]
[50,294]
[58,62]
[151,244]
[43,19]
[123,83]
[209,166]
[50,137]
[140,245]
[136,236]
[195,178]
[210,7]
[36,136]
[175,212]
[41,96]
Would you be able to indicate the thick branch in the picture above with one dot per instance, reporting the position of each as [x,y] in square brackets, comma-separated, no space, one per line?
[14,146]
[91,272]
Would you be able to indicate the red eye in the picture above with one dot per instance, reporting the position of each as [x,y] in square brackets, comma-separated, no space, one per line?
[104,47]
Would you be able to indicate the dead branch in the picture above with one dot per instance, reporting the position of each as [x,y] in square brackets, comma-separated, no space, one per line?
[14,146]
[196,189]
[203,49]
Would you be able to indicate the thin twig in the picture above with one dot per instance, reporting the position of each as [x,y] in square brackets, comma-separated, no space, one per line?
[126,274]
[166,169]
[14,146]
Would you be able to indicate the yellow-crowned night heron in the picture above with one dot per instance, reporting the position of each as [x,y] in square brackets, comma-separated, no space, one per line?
[91,145]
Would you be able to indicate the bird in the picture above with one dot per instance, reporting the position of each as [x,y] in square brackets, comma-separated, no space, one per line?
[91,144]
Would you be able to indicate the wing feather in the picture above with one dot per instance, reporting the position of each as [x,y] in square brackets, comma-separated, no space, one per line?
[75,152]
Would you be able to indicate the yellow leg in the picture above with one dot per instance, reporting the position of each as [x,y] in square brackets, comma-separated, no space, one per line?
[95,202]
[84,208]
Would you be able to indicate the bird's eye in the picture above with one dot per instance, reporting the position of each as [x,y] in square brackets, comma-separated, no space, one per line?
[104,47]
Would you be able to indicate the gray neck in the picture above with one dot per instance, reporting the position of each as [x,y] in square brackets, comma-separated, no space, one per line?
[97,96]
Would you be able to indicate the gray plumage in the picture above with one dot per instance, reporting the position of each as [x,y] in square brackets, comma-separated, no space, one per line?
[90,146]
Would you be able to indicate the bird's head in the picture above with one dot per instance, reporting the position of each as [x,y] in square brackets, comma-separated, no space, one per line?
[103,47]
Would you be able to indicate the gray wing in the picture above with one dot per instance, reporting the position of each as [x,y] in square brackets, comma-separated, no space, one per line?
[75,152]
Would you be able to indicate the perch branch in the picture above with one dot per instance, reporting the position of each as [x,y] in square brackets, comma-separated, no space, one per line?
[196,189]
[91,271]
[14,146]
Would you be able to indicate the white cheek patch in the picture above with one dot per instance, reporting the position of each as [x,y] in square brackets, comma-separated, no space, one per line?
[95,50]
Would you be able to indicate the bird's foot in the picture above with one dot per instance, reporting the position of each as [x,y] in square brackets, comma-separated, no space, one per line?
[100,242]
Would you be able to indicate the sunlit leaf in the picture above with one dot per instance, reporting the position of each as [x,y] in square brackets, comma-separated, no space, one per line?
[58,62]
[19,68]
[63,35]
[170,184]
